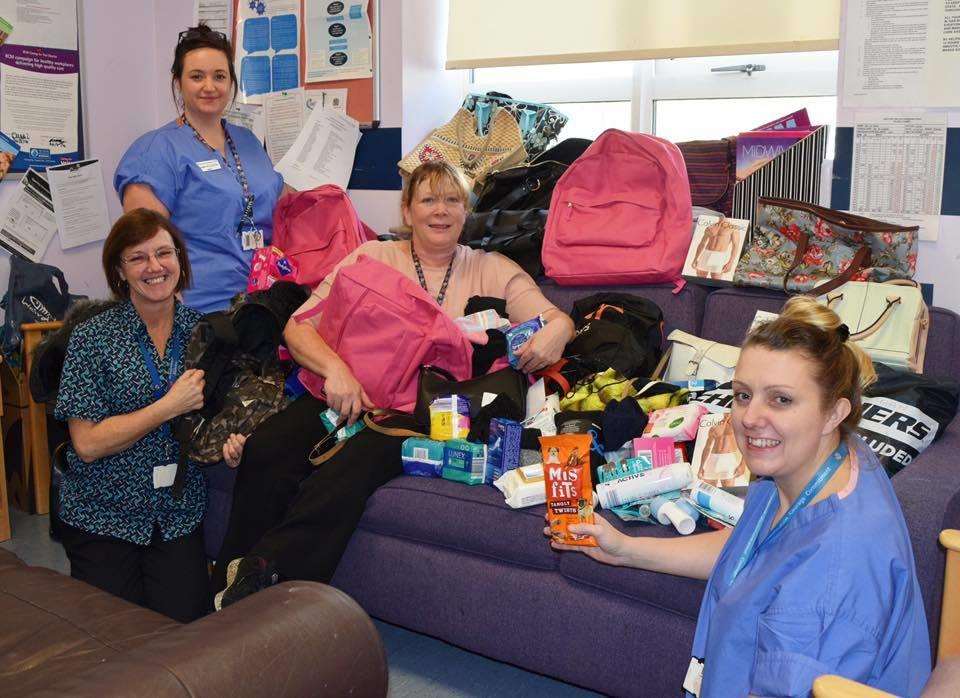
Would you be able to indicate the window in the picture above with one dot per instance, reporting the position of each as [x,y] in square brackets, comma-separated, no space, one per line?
[678,99]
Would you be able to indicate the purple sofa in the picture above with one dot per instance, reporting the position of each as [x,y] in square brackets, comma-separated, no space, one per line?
[455,562]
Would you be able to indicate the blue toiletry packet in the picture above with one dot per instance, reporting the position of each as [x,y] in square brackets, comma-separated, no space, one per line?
[503,448]
[518,335]
[464,461]
[422,457]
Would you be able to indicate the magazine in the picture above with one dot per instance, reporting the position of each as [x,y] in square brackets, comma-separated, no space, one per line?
[715,249]
[716,458]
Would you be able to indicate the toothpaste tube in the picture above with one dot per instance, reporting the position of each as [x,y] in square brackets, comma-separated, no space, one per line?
[518,335]
[646,484]
[713,501]
[669,508]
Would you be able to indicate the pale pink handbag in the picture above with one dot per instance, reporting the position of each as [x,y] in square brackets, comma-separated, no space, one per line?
[385,327]
[620,214]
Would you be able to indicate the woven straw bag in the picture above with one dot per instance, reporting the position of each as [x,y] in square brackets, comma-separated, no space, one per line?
[458,143]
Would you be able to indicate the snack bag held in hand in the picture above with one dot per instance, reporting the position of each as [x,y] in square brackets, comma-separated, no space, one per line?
[566,465]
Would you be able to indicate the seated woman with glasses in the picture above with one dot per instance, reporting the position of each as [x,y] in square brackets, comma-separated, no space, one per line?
[122,383]
[212,179]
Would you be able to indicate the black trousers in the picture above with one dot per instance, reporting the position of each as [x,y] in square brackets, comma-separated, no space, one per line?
[169,577]
[295,515]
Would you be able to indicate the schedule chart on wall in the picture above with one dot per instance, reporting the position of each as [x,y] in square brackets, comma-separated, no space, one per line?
[898,162]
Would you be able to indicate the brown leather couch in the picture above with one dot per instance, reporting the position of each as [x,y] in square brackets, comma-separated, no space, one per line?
[61,637]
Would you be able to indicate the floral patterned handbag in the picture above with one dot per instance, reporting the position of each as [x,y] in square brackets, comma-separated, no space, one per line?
[803,248]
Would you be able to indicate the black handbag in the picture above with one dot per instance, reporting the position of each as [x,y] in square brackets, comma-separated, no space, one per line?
[529,186]
[436,382]
[517,235]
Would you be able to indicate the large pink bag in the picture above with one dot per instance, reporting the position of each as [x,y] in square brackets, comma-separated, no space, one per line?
[316,229]
[385,327]
[620,214]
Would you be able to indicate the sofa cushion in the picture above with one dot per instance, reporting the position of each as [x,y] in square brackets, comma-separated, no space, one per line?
[677,594]
[471,519]
[681,311]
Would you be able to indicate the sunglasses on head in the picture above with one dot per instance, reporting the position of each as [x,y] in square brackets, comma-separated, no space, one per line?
[195,33]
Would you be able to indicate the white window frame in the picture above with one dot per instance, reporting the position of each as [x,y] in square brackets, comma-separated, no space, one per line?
[644,86]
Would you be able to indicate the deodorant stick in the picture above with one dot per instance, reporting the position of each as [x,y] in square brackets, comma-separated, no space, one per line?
[648,483]
[726,506]
[676,511]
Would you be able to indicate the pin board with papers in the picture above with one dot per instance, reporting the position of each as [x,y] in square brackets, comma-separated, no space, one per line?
[281,45]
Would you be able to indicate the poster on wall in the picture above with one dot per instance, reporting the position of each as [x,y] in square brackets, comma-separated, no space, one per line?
[338,41]
[267,48]
[40,82]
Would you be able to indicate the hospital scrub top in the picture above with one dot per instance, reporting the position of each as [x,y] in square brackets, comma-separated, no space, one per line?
[105,375]
[836,593]
[200,189]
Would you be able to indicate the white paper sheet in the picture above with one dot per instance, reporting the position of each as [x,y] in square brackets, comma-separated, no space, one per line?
[323,152]
[898,54]
[79,202]
[44,23]
[338,44]
[335,99]
[249,116]
[898,165]
[27,222]
[215,13]
[283,112]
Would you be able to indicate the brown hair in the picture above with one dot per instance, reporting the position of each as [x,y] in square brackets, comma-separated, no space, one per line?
[200,36]
[437,174]
[133,228]
[843,369]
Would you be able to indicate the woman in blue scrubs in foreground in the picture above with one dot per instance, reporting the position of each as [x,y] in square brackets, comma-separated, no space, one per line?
[818,577]
[211,178]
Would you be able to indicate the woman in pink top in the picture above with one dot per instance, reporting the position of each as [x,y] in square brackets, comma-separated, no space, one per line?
[292,521]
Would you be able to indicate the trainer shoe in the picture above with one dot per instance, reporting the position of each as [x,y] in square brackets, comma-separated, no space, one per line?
[245,576]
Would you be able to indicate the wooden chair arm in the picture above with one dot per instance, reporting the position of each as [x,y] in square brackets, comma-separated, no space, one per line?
[948,644]
[831,686]
[41,326]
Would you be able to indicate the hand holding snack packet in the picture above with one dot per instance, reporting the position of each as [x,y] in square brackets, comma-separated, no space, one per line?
[566,466]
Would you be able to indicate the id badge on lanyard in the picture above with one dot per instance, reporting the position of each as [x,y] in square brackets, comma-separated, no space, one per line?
[163,475]
[251,237]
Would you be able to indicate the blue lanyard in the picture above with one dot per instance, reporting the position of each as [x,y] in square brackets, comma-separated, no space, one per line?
[159,387]
[812,489]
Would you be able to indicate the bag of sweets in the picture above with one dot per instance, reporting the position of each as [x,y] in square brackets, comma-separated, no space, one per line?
[566,466]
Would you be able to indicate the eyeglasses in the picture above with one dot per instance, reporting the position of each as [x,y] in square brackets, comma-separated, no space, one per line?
[141,259]
[195,33]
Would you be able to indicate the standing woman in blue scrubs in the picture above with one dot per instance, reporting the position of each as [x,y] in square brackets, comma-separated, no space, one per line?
[818,576]
[211,178]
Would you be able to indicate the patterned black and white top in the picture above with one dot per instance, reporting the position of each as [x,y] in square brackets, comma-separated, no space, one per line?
[104,375]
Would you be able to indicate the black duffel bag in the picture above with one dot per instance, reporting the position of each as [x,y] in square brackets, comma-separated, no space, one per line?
[517,235]
[529,186]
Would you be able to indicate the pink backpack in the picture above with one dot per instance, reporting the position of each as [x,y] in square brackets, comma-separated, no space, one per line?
[385,327]
[316,229]
[620,214]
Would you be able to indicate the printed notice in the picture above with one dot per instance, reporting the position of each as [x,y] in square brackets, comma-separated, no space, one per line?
[250,116]
[284,117]
[323,152]
[338,41]
[267,48]
[79,202]
[27,223]
[898,162]
[901,53]
[214,13]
